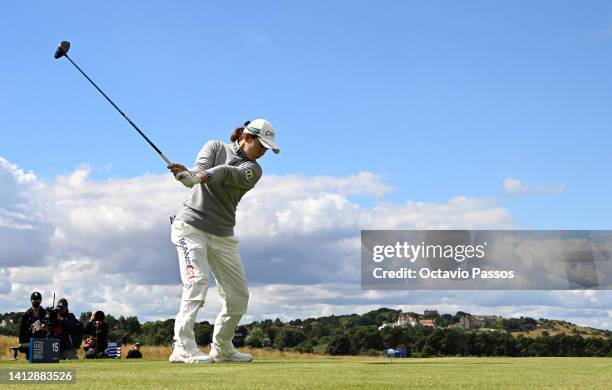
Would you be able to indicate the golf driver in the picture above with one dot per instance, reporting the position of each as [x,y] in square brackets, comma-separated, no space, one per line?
[62,51]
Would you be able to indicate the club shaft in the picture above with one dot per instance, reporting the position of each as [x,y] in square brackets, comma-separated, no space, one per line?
[162,155]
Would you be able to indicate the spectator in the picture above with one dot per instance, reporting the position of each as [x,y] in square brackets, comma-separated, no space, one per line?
[135,353]
[32,324]
[97,328]
[66,329]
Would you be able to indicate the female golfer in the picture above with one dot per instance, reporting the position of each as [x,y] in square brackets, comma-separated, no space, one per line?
[203,233]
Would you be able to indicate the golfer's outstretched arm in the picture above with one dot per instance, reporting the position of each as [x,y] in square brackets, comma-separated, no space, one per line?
[243,176]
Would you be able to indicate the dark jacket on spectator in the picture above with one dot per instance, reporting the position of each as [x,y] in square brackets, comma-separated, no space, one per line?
[66,331]
[27,320]
[134,354]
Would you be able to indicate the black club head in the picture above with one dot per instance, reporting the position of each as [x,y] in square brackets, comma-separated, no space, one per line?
[62,49]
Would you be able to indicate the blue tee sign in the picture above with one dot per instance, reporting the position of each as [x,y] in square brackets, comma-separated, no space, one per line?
[44,350]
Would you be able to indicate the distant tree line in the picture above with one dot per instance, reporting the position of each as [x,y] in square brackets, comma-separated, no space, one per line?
[360,335]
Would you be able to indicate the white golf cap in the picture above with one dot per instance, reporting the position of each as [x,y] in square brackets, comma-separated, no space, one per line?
[265,132]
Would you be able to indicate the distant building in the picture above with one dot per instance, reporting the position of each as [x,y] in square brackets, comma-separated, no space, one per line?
[490,321]
[476,322]
[466,320]
[3,324]
[406,319]
[429,323]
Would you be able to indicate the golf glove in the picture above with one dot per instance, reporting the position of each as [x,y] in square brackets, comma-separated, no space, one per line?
[188,179]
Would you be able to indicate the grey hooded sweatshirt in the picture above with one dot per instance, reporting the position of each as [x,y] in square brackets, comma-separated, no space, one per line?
[211,207]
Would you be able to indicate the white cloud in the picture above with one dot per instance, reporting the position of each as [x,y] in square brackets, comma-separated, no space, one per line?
[105,244]
[24,232]
[5,282]
[516,187]
[589,308]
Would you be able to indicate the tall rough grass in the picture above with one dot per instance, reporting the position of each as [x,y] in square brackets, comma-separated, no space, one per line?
[5,343]
[156,352]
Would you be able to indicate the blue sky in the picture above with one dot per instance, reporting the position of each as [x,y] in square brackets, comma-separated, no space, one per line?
[443,98]
[438,99]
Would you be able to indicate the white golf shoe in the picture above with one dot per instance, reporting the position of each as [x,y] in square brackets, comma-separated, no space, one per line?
[197,353]
[230,356]
[195,357]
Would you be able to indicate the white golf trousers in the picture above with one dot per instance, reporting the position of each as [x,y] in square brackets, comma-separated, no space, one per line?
[197,252]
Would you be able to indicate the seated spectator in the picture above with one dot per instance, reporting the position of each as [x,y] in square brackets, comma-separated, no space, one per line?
[32,324]
[135,353]
[97,328]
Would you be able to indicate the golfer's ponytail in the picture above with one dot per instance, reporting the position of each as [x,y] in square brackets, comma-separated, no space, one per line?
[237,133]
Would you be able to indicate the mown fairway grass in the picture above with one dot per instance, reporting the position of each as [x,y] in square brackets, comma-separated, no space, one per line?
[339,373]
